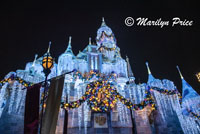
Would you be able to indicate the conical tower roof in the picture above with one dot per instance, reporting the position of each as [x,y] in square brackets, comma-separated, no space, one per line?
[106,31]
[69,48]
[103,22]
[187,91]
[150,77]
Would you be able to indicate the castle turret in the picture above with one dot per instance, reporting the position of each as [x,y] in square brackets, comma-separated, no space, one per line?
[66,61]
[69,48]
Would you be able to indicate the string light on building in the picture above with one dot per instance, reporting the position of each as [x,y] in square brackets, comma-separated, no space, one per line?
[198,76]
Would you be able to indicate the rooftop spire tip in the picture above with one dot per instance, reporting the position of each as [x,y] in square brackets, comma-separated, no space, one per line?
[36,55]
[149,71]
[90,40]
[103,22]
[49,47]
[70,39]
[179,72]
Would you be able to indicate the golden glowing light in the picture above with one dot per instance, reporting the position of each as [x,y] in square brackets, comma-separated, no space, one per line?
[47,63]
[198,76]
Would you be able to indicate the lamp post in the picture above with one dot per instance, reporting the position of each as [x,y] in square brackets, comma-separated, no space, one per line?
[47,64]
[198,76]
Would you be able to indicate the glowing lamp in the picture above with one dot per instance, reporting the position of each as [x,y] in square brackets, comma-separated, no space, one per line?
[47,62]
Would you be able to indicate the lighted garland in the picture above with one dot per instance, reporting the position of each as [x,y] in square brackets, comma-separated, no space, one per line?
[21,81]
[148,100]
[194,114]
[168,92]
[165,91]
[99,90]
[96,89]
[4,81]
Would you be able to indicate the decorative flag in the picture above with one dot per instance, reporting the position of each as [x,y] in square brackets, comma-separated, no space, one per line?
[52,105]
[31,117]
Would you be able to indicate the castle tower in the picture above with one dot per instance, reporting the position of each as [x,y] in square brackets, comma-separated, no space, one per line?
[106,41]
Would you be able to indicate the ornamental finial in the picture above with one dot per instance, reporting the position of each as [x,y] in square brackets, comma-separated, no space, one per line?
[103,19]
[70,39]
[179,72]
[90,41]
[35,60]
[149,71]
[49,47]
[103,22]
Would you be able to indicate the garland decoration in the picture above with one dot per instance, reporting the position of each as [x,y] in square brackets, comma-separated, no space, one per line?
[15,78]
[168,92]
[193,114]
[102,96]
[148,100]
[165,91]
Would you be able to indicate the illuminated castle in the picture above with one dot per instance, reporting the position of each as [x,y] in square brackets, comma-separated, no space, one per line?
[169,115]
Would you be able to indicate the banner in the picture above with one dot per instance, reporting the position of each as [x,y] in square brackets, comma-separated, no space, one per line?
[31,116]
[52,106]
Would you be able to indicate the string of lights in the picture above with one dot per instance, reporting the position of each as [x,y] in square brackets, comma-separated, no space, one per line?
[15,78]
[102,97]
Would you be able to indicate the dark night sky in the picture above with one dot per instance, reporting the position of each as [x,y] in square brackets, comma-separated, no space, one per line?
[27,27]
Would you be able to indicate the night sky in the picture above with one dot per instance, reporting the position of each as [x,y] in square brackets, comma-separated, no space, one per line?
[27,27]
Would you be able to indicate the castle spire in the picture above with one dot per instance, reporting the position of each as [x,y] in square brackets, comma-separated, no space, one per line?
[103,22]
[150,77]
[129,70]
[149,71]
[35,60]
[179,72]
[69,47]
[130,73]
